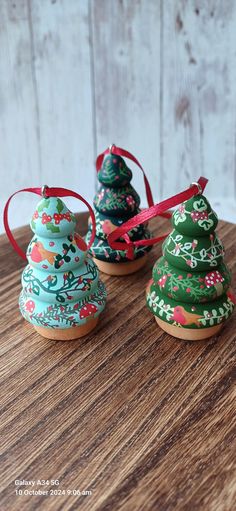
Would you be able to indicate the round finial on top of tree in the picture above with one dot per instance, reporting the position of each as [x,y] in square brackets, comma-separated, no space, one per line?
[115,202]
[189,293]
[62,294]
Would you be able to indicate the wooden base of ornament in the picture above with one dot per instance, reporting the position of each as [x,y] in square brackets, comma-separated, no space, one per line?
[120,269]
[188,334]
[67,334]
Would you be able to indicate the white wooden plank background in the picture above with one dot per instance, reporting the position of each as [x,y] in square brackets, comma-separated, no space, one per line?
[156,77]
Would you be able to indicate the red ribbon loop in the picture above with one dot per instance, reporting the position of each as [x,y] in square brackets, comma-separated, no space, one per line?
[118,151]
[147,214]
[48,192]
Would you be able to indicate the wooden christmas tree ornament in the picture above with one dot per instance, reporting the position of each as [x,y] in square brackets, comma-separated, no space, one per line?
[62,295]
[189,293]
[116,202]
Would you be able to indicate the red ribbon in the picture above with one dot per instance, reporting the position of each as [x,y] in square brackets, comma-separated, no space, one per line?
[147,214]
[48,192]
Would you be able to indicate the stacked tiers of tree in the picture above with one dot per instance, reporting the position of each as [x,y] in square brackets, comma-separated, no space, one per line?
[190,286]
[61,286]
[115,202]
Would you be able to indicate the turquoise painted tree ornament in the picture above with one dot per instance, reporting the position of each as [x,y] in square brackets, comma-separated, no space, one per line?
[62,295]
[116,202]
[189,293]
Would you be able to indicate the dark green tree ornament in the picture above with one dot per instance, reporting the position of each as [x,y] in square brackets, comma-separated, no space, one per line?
[189,293]
[116,202]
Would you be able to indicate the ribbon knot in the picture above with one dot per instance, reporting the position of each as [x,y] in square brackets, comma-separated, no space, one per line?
[151,212]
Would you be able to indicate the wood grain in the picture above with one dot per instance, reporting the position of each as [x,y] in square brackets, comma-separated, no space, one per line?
[143,421]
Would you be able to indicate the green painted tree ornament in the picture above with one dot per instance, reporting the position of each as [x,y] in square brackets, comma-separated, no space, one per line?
[189,293]
[62,295]
[116,202]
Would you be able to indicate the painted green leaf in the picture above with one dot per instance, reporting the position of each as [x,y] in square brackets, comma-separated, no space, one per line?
[72,248]
[33,225]
[52,283]
[36,290]
[43,205]
[60,298]
[60,206]
[52,228]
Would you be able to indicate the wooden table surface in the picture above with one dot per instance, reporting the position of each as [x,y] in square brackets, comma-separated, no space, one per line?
[128,416]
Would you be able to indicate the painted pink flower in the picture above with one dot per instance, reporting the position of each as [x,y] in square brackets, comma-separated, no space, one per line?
[180,277]
[175,288]
[30,306]
[189,263]
[177,248]
[181,208]
[161,282]
[188,290]
[130,200]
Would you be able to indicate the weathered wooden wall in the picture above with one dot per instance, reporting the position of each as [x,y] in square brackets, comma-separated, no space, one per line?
[155,76]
